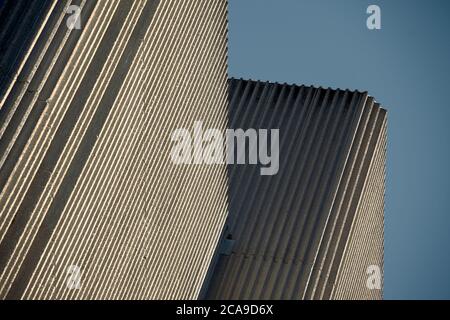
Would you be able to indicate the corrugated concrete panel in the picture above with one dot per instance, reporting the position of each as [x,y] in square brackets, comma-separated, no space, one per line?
[365,246]
[290,232]
[20,25]
[86,177]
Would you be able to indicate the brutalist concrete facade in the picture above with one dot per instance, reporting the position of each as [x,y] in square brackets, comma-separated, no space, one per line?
[91,205]
[314,230]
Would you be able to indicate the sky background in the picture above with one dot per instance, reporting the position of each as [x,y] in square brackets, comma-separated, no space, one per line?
[406,67]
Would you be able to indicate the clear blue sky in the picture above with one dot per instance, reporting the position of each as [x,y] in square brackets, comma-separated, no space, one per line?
[406,67]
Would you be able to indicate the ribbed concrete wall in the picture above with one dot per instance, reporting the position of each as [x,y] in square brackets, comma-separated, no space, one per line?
[21,23]
[85,173]
[365,246]
[289,232]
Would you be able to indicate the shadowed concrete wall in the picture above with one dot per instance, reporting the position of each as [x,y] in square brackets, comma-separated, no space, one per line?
[86,119]
[312,230]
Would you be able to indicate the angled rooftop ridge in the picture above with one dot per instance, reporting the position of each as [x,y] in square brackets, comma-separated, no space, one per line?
[312,86]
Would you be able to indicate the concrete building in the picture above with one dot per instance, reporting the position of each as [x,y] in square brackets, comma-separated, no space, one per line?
[90,204]
[314,230]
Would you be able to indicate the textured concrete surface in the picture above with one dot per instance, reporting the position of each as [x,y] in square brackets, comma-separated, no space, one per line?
[91,205]
[312,230]
[86,179]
